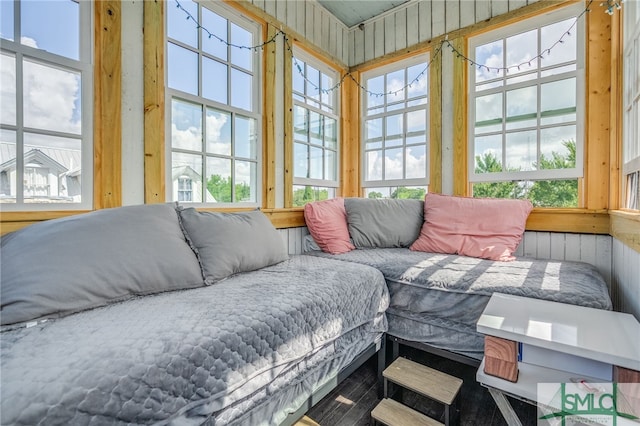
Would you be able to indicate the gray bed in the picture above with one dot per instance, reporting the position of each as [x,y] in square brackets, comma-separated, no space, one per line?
[247,350]
[436,299]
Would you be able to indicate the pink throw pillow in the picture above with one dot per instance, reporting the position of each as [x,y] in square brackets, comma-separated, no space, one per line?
[478,227]
[327,223]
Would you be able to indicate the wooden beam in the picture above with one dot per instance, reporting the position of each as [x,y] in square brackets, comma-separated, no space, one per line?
[625,226]
[435,122]
[269,121]
[582,221]
[154,104]
[107,116]
[598,111]
[350,140]
[288,124]
[616,108]
[460,100]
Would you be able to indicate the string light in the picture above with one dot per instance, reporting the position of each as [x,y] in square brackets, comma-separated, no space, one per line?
[610,5]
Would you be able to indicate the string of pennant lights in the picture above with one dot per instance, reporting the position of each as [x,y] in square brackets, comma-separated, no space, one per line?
[610,6]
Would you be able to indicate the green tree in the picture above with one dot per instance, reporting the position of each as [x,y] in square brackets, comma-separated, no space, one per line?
[375,194]
[404,193]
[220,188]
[489,163]
[307,194]
[556,193]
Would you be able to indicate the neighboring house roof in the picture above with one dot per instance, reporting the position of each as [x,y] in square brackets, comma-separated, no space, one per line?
[71,159]
[179,171]
[35,156]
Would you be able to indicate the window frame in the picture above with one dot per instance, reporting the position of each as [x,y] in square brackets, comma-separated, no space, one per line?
[631,106]
[249,24]
[84,66]
[335,114]
[513,29]
[423,57]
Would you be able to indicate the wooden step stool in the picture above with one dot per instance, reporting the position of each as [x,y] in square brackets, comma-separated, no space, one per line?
[425,381]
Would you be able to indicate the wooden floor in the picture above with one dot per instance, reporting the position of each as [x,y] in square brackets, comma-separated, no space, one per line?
[352,401]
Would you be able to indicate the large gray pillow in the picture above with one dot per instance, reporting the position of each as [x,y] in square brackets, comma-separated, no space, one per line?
[229,243]
[383,222]
[66,265]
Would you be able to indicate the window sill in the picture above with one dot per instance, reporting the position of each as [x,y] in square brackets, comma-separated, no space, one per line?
[625,227]
[583,221]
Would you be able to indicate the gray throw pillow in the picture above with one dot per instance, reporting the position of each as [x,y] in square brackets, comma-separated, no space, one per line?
[66,265]
[229,243]
[383,222]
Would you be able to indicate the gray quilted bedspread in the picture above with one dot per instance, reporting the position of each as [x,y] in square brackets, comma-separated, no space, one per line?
[246,350]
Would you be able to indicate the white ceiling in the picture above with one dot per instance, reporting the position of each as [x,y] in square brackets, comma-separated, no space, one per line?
[353,12]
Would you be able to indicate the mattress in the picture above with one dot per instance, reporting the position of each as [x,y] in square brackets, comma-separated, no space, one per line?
[247,350]
[438,298]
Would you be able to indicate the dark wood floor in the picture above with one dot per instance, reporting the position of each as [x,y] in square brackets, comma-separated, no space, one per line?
[352,401]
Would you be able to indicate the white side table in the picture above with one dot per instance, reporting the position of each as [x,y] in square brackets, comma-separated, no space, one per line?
[568,336]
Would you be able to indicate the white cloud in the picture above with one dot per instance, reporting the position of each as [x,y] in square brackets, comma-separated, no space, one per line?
[189,138]
[8,88]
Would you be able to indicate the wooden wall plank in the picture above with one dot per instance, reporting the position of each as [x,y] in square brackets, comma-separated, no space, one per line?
[281,10]
[452,15]
[625,226]
[270,7]
[437,17]
[603,258]
[107,117]
[287,83]
[340,37]
[154,104]
[401,28]
[369,41]
[301,17]
[268,122]
[317,26]
[516,4]
[460,69]
[569,220]
[378,43]
[557,245]
[389,34]
[412,24]
[351,46]
[350,141]
[543,245]
[530,245]
[259,4]
[588,248]
[435,122]
[483,10]
[333,36]
[572,247]
[292,14]
[424,18]
[499,7]
[309,20]
[467,13]
[358,56]
[326,31]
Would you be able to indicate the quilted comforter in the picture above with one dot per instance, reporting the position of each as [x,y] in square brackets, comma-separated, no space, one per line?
[247,350]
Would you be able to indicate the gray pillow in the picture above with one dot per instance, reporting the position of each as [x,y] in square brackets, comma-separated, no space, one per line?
[66,265]
[383,222]
[229,243]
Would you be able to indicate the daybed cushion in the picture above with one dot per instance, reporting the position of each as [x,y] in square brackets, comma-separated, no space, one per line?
[477,227]
[79,262]
[244,351]
[327,224]
[383,222]
[229,243]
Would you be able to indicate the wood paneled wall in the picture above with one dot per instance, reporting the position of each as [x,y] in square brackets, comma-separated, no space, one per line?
[625,278]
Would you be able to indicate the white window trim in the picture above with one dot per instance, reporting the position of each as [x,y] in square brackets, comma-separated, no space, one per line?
[631,101]
[377,72]
[84,65]
[335,74]
[579,74]
[255,28]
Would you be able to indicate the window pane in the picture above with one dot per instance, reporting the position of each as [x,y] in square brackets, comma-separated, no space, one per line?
[562,52]
[373,128]
[558,101]
[179,27]
[419,87]
[52,169]
[241,57]
[7,88]
[330,133]
[313,82]
[489,54]
[300,126]
[488,151]
[489,113]
[308,193]
[241,90]
[393,163]
[375,86]
[186,125]
[394,126]
[214,80]
[416,162]
[395,85]
[521,149]
[183,69]
[52,98]
[373,165]
[522,108]
[327,97]
[219,181]
[315,163]
[417,121]
[298,79]
[558,148]
[217,25]
[8,173]
[245,138]
[53,26]
[330,167]
[315,128]
[301,160]
[218,128]
[6,20]
[522,48]
[245,182]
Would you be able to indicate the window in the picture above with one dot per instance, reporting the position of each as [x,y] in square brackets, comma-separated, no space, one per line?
[526,122]
[315,130]
[395,130]
[631,107]
[213,105]
[46,145]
